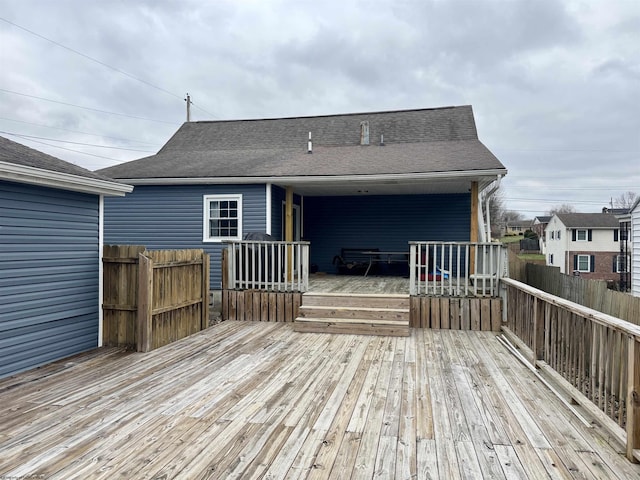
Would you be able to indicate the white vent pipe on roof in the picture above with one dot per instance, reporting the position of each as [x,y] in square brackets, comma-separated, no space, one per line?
[309,145]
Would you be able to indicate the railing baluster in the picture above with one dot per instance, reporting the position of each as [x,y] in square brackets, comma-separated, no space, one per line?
[471,268]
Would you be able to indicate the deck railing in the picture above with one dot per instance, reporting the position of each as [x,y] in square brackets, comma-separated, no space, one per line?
[457,269]
[267,265]
[594,355]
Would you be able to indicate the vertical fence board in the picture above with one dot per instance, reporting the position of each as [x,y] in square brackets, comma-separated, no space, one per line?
[454,314]
[145,302]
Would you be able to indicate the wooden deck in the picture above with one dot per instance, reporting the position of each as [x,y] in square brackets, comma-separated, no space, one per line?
[257,400]
[321,283]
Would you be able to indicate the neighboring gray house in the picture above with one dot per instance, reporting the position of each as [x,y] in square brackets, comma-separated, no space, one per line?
[50,265]
[365,180]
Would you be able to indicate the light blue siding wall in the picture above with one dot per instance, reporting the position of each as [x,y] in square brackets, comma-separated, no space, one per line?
[170,217]
[383,222]
[49,277]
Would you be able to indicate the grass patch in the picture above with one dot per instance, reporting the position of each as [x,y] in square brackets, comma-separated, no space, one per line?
[511,239]
[532,256]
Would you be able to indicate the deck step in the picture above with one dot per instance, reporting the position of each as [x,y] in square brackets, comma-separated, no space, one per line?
[399,314]
[356,300]
[363,314]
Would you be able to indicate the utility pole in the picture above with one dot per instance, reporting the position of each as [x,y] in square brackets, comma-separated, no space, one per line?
[188,100]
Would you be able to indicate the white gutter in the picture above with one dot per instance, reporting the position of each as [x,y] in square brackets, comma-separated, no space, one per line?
[389,178]
[487,198]
[66,181]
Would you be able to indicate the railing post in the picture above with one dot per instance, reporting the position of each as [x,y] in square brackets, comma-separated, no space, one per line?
[145,303]
[538,330]
[413,255]
[633,399]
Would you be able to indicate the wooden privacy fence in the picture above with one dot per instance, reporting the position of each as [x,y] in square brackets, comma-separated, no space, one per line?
[595,356]
[590,293]
[152,298]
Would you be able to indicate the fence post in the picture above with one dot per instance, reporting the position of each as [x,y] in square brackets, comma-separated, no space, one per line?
[204,323]
[633,399]
[145,303]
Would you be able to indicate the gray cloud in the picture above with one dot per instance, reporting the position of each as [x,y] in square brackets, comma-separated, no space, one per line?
[552,83]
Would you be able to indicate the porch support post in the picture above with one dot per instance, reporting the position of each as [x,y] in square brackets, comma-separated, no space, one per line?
[474,212]
[288,228]
[473,236]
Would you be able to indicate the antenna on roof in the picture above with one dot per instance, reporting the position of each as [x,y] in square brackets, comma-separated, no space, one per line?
[309,145]
[189,103]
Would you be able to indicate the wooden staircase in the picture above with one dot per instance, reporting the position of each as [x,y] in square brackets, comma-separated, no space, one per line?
[351,313]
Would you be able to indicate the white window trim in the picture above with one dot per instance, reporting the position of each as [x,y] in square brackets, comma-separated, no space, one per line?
[205,217]
[588,263]
[586,235]
[620,257]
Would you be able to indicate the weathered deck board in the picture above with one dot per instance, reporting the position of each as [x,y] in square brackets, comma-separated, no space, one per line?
[257,400]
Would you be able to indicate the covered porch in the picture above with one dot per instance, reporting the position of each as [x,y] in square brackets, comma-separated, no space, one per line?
[258,400]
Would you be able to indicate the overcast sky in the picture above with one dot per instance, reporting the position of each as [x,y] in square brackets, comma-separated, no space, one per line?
[555,85]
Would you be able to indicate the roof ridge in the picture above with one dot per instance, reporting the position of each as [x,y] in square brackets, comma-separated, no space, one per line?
[299,117]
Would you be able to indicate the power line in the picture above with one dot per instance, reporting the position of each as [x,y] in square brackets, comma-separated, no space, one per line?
[69,149]
[567,150]
[86,108]
[549,200]
[75,143]
[77,131]
[122,72]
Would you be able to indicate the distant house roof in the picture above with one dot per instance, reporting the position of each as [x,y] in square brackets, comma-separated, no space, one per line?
[542,219]
[520,223]
[588,220]
[615,211]
[20,163]
[425,141]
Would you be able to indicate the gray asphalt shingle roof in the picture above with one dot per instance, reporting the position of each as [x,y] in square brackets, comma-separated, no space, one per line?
[589,220]
[18,154]
[415,141]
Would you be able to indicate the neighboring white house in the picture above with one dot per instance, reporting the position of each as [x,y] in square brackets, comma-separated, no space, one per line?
[585,244]
[635,248]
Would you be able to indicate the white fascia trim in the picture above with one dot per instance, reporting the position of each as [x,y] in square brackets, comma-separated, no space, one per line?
[315,179]
[66,181]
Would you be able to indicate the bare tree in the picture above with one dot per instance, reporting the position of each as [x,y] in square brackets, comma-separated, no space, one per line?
[496,207]
[626,200]
[564,208]
[512,216]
